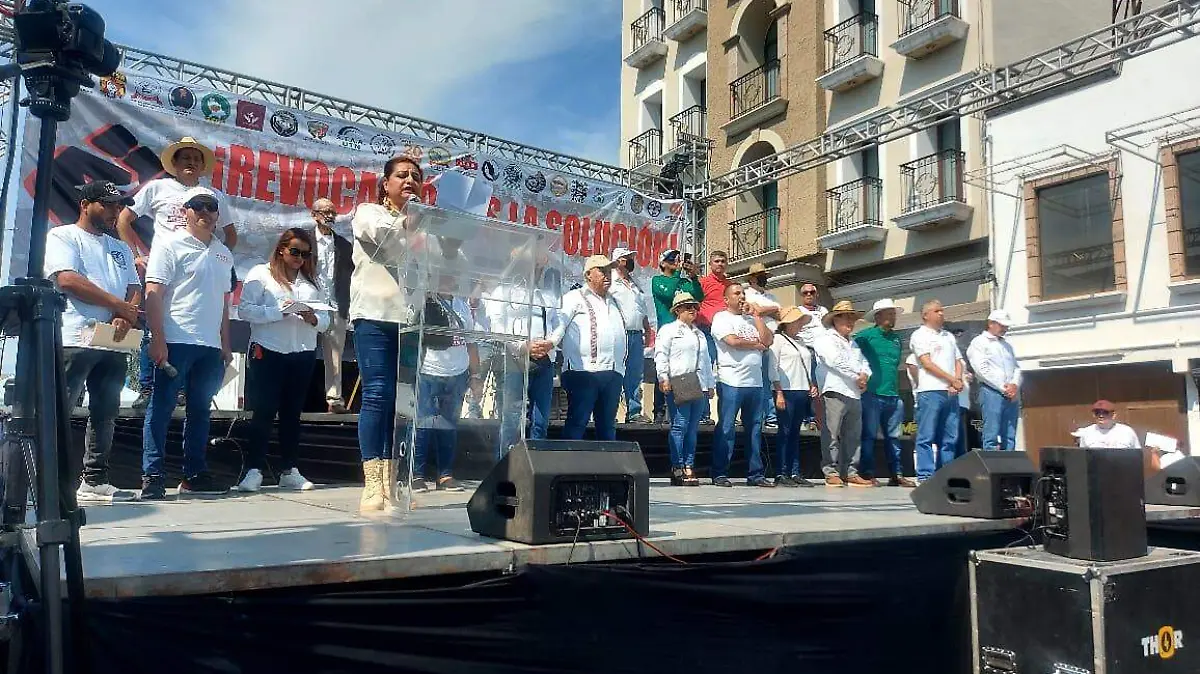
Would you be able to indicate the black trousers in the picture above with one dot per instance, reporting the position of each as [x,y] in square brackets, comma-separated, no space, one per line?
[276,385]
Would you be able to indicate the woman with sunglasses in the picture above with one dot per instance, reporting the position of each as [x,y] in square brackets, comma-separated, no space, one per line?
[378,306]
[283,304]
[681,351]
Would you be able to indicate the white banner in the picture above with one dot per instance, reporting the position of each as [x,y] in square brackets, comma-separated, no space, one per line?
[273,162]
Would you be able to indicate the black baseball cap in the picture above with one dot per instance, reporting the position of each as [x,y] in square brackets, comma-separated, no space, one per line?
[104,192]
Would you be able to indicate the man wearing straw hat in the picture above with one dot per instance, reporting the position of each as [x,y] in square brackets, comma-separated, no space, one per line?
[881,405]
[187,162]
[842,375]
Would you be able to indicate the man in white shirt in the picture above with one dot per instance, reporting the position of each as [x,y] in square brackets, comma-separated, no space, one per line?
[742,340]
[810,302]
[999,378]
[592,337]
[637,308]
[187,284]
[768,307]
[939,381]
[842,376]
[187,162]
[334,267]
[95,271]
[1106,432]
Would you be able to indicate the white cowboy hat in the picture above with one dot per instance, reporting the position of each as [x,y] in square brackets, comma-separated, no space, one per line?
[168,154]
[881,305]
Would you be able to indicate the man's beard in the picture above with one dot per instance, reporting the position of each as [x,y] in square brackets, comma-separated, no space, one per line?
[101,225]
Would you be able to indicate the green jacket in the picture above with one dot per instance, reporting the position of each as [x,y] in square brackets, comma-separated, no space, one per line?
[664,287]
[882,351]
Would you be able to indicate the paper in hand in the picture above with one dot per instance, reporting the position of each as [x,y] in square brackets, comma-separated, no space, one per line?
[301,307]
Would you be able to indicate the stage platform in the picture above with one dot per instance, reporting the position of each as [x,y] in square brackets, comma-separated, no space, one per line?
[274,539]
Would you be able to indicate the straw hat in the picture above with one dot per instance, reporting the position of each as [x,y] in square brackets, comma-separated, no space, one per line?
[791,314]
[843,308]
[168,154]
[596,262]
[682,298]
[757,268]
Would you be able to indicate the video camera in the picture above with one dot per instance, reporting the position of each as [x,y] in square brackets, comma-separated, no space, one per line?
[60,45]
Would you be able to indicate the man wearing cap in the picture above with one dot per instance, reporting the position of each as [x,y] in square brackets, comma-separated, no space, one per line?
[1106,432]
[95,271]
[637,307]
[881,404]
[939,381]
[742,341]
[768,307]
[187,162]
[592,336]
[842,376]
[187,279]
[999,377]
[676,276]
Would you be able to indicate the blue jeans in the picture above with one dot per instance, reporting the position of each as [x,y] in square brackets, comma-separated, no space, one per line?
[798,407]
[768,403]
[200,372]
[685,423]
[1000,417]
[886,412]
[537,412]
[145,365]
[635,370]
[377,348]
[730,401]
[937,424]
[439,406]
[591,395]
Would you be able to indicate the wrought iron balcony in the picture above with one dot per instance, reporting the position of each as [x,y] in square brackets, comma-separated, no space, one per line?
[647,38]
[688,17]
[852,53]
[928,25]
[690,127]
[755,97]
[933,191]
[756,236]
[645,148]
[854,215]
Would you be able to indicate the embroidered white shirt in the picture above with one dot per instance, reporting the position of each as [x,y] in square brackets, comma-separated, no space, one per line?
[592,332]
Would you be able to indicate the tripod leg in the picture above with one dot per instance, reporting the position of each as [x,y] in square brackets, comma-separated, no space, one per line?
[72,513]
[52,530]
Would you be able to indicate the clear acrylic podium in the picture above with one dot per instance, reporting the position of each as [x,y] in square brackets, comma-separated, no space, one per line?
[476,290]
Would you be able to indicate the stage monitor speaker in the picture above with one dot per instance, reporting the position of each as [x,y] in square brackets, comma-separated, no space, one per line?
[1178,484]
[1092,503]
[988,484]
[559,491]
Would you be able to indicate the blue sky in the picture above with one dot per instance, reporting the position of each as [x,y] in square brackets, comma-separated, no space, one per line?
[542,72]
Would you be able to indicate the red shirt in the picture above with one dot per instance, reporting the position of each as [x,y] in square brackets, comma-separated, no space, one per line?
[714,297]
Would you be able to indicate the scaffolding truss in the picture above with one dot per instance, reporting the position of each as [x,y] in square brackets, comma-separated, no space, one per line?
[1143,138]
[1001,176]
[1099,51]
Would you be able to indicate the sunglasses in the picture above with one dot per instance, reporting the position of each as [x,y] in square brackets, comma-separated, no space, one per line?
[202,205]
[302,254]
[1101,413]
[808,292]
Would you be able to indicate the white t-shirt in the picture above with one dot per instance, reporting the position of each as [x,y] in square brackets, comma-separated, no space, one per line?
[942,349]
[455,360]
[162,199]
[767,300]
[736,366]
[814,328]
[196,277]
[1119,436]
[104,260]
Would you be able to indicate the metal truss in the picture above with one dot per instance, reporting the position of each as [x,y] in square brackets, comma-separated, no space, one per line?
[1000,176]
[1098,51]
[1139,139]
[134,60]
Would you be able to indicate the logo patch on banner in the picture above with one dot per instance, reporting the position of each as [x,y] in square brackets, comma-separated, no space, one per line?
[147,93]
[215,108]
[488,169]
[636,203]
[182,99]
[114,86]
[513,176]
[317,130]
[284,123]
[414,152]
[251,115]
[440,158]
[559,186]
[383,144]
[467,163]
[653,208]
[536,182]
[351,138]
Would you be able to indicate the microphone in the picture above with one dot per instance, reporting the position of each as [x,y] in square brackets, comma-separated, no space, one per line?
[169,370]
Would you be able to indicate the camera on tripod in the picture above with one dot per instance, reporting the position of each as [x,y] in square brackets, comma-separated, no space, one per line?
[60,45]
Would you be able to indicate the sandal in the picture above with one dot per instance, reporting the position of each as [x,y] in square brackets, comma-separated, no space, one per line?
[689,477]
[677,477]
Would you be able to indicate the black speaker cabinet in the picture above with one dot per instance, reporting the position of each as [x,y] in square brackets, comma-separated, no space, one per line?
[1177,484]
[1092,503]
[558,491]
[989,484]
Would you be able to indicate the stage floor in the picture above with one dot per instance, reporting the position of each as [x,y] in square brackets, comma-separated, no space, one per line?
[199,545]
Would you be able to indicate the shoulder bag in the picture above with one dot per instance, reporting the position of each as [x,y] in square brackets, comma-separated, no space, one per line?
[686,387]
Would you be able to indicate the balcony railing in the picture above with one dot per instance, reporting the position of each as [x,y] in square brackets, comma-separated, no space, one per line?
[932,180]
[648,27]
[690,126]
[850,39]
[916,14]
[680,8]
[754,89]
[854,204]
[645,148]
[756,234]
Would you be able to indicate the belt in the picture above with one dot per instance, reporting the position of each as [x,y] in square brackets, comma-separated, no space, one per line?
[633,332]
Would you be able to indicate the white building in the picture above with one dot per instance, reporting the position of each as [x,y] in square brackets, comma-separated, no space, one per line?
[1095,241]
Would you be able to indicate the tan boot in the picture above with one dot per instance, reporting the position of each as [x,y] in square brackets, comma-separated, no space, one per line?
[372,494]
[387,480]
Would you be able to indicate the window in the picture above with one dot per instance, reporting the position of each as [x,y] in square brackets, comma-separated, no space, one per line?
[1075,237]
[1189,210]
[1181,181]
[870,162]
[948,137]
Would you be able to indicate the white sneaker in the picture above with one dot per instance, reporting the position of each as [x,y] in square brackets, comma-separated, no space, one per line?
[252,482]
[292,479]
[102,493]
